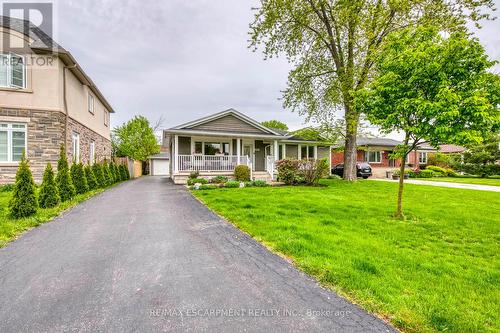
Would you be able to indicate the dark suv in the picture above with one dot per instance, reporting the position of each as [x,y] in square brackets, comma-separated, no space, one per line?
[363,170]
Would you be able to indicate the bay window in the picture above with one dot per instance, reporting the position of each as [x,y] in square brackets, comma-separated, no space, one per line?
[12,71]
[12,142]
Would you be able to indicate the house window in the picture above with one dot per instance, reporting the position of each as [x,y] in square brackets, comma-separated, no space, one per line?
[407,158]
[280,151]
[91,103]
[12,142]
[92,152]
[106,118]
[422,158]
[373,156]
[76,147]
[211,148]
[306,152]
[198,147]
[12,71]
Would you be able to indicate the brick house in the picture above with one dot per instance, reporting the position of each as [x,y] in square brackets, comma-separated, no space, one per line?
[46,100]
[377,151]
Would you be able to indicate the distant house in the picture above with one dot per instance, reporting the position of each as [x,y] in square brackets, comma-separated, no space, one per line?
[377,152]
[216,144]
[46,99]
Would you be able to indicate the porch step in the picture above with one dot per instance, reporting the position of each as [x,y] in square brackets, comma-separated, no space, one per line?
[261,175]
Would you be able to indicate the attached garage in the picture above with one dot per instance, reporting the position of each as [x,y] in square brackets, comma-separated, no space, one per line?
[159,165]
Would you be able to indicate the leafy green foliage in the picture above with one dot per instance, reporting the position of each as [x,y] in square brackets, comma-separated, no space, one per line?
[332,46]
[242,173]
[193,181]
[99,174]
[260,183]
[24,202]
[78,178]
[313,170]
[194,174]
[123,171]
[91,178]
[232,184]
[219,180]
[288,170]
[439,159]
[434,89]
[276,124]
[63,178]
[49,192]
[481,159]
[135,139]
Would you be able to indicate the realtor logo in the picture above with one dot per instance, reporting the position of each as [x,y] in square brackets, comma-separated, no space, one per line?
[40,15]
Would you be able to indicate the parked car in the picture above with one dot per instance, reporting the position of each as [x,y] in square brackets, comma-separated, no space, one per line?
[363,170]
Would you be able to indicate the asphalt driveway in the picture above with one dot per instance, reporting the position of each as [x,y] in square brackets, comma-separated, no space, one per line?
[145,256]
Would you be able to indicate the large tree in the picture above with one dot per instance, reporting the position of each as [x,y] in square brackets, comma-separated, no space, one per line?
[135,139]
[333,44]
[276,124]
[432,88]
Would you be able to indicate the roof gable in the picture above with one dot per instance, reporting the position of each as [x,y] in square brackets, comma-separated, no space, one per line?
[228,121]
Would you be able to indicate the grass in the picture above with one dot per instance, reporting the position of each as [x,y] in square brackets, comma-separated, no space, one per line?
[11,228]
[437,271]
[463,180]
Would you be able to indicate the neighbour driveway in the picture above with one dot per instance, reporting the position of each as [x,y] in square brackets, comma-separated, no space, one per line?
[447,184]
[146,256]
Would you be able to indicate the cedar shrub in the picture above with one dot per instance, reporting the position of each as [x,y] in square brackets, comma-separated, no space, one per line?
[63,178]
[49,193]
[79,179]
[24,202]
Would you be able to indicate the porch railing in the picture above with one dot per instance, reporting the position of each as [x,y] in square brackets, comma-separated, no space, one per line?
[210,162]
[270,165]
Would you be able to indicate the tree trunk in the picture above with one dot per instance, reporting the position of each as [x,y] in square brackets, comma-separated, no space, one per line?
[350,148]
[399,211]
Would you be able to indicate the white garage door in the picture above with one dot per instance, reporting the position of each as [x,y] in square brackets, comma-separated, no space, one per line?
[161,167]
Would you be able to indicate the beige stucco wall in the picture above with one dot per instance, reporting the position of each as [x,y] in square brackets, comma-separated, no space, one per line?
[44,89]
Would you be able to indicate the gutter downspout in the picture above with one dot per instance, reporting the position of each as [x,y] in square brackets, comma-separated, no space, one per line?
[66,111]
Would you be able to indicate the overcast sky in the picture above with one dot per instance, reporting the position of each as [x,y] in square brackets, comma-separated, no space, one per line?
[182,59]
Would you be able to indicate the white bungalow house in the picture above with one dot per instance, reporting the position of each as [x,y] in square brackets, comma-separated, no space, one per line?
[216,144]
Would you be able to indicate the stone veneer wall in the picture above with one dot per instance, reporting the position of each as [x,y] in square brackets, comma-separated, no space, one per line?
[45,131]
[102,145]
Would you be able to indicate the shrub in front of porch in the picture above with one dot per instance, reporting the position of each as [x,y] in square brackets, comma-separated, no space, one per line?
[232,184]
[288,171]
[242,173]
[193,181]
[219,180]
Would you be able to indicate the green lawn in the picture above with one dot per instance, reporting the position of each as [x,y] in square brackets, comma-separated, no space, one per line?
[472,180]
[11,228]
[437,271]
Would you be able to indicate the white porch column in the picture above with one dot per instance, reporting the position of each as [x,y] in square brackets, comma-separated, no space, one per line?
[284,151]
[276,150]
[176,153]
[315,152]
[299,152]
[238,149]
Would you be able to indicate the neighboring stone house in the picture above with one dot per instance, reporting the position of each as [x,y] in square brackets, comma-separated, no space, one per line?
[46,100]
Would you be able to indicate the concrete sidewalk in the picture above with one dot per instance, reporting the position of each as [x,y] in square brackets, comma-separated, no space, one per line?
[447,184]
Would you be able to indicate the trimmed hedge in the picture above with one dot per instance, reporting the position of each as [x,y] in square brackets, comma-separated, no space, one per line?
[232,184]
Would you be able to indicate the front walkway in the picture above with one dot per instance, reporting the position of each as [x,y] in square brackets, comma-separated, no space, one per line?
[447,184]
[146,256]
